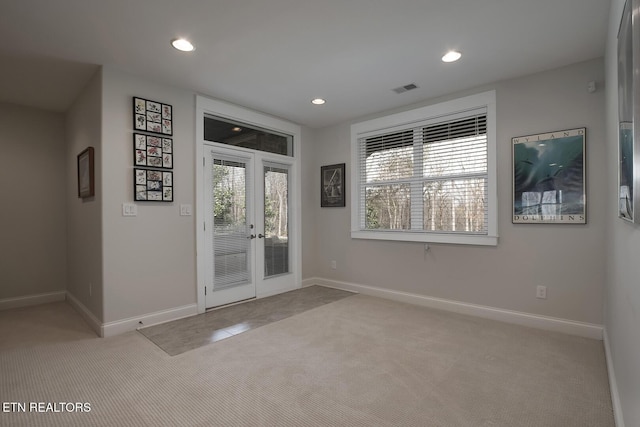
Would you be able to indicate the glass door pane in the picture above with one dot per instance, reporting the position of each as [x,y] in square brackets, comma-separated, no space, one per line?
[276,220]
[232,249]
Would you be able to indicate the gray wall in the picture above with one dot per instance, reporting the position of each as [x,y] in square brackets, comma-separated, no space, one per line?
[32,192]
[568,259]
[84,216]
[139,265]
[147,263]
[149,260]
[622,301]
[310,202]
[122,267]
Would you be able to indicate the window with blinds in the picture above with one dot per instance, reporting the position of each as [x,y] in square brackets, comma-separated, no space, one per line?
[428,177]
[231,248]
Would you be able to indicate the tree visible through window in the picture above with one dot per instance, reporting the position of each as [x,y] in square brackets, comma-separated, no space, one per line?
[228,194]
[431,176]
[450,175]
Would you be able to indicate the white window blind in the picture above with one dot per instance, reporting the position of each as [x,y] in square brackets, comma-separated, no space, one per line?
[455,170]
[231,186]
[387,166]
[430,176]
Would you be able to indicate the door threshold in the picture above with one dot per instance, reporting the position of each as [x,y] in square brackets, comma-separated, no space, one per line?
[206,310]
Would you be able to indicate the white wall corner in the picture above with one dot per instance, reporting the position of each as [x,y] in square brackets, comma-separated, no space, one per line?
[571,327]
[86,314]
[613,385]
[117,327]
[29,300]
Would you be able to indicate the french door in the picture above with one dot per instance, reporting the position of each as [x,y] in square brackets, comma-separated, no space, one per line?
[247,227]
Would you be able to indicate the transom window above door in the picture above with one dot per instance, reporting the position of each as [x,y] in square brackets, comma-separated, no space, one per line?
[238,134]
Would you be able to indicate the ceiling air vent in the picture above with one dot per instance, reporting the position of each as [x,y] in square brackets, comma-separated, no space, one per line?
[405,88]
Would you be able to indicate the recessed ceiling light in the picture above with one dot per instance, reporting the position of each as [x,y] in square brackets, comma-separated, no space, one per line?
[451,56]
[236,129]
[183,45]
[318,101]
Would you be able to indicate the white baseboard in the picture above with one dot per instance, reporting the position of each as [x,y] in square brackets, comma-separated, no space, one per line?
[86,314]
[110,329]
[613,385]
[571,327]
[309,282]
[26,301]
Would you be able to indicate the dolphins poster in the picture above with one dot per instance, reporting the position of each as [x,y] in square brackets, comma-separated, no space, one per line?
[549,178]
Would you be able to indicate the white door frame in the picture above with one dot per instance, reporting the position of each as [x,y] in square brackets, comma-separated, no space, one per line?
[207,106]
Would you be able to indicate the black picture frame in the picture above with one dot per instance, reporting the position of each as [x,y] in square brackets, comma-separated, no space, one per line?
[152,151]
[151,185]
[152,116]
[86,173]
[332,186]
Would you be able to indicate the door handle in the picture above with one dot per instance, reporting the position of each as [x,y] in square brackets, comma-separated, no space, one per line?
[260,236]
[251,236]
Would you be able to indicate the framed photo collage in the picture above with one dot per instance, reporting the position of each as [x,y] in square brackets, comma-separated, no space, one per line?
[152,151]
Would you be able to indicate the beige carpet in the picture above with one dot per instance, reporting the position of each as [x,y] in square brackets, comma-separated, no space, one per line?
[360,361]
[204,329]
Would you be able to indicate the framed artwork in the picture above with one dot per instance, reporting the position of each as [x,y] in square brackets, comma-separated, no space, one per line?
[549,178]
[626,185]
[152,116]
[152,151]
[628,109]
[152,185]
[332,182]
[86,174]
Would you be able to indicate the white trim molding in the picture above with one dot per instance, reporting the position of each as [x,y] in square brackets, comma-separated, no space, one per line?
[207,106]
[613,385]
[93,322]
[571,327]
[102,329]
[29,300]
[117,327]
[310,281]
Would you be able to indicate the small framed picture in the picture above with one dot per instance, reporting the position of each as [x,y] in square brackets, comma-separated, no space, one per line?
[152,151]
[86,174]
[332,186]
[152,185]
[152,116]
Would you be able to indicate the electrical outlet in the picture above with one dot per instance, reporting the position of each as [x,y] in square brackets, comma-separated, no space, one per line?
[541,292]
[334,265]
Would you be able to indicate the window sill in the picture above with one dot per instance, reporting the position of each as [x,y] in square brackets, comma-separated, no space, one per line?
[408,236]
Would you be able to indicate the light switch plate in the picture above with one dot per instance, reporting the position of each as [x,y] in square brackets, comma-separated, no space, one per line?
[129,209]
[185,210]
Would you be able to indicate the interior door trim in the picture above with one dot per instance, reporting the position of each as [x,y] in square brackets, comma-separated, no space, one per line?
[207,106]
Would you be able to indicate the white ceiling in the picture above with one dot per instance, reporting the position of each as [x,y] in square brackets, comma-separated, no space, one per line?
[276,55]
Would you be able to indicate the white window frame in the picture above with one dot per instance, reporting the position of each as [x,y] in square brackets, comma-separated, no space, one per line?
[403,120]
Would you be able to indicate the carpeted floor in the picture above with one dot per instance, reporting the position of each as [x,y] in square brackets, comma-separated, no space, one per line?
[359,361]
[192,332]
